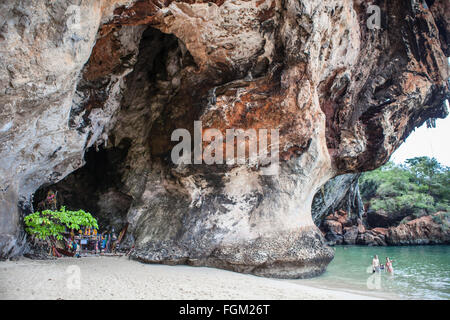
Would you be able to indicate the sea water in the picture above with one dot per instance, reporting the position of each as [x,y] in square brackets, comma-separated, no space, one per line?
[420,272]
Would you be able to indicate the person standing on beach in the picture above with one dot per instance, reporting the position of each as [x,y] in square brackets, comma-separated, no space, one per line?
[104,239]
[108,243]
[96,246]
[77,249]
[375,264]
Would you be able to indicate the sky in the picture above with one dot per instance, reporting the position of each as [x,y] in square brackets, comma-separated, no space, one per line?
[434,142]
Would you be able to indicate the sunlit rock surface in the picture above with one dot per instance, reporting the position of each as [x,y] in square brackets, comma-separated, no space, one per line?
[120,76]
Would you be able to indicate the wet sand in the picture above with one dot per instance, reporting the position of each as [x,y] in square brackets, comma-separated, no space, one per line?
[121,278]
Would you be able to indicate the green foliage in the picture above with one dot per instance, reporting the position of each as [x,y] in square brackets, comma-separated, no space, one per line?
[419,187]
[50,223]
[443,219]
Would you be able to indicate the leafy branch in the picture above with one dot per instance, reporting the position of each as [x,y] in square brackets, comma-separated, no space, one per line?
[48,223]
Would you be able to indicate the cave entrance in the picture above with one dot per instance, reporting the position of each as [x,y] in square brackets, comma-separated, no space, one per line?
[98,187]
[95,188]
[156,98]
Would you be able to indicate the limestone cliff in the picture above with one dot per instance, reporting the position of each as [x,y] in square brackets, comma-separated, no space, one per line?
[339,212]
[119,76]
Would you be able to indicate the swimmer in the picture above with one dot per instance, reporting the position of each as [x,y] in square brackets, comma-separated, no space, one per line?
[375,264]
[389,267]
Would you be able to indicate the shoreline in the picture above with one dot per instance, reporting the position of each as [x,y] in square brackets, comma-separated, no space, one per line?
[107,278]
[375,295]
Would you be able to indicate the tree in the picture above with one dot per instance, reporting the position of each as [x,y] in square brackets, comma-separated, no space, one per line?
[428,173]
[50,224]
[420,186]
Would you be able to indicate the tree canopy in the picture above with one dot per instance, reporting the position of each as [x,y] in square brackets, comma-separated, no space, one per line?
[50,223]
[420,186]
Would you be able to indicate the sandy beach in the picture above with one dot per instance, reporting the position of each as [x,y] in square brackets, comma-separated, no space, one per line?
[121,278]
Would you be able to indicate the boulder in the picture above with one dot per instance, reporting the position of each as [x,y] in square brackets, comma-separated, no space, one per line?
[334,239]
[350,235]
[424,230]
[380,231]
[365,239]
[333,226]
[373,237]
[332,216]
[361,228]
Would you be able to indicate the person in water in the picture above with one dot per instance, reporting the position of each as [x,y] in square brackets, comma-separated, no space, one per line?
[375,264]
[388,265]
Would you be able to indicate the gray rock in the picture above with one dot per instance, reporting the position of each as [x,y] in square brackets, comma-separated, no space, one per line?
[350,235]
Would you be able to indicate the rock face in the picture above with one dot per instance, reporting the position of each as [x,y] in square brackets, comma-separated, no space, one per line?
[120,76]
[424,230]
[431,229]
[381,218]
[340,193]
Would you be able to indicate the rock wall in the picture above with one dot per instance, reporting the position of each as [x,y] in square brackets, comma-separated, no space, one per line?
[123,75]
[342,217]
[431,229]
[434,229]
[339,193]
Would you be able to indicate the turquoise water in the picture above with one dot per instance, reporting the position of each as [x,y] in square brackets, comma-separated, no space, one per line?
[420,272]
